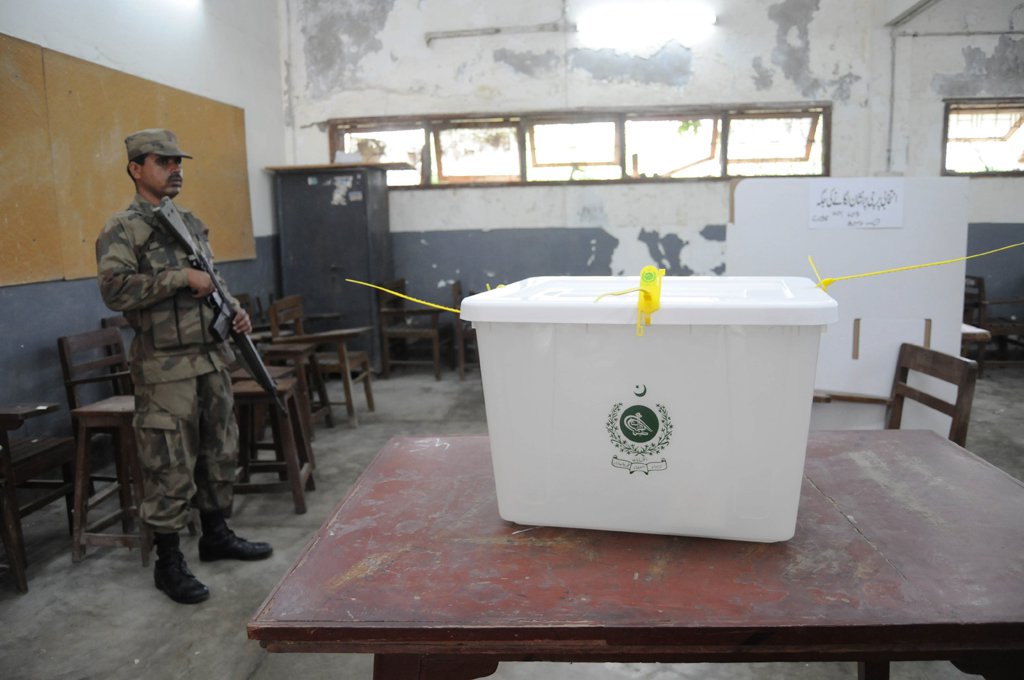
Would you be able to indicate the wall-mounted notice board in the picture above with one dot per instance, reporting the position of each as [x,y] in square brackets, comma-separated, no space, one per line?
[62,160]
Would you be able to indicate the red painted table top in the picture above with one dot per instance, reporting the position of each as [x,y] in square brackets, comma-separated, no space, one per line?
[904,541]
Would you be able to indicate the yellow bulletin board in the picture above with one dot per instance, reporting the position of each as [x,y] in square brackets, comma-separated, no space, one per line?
[62,160]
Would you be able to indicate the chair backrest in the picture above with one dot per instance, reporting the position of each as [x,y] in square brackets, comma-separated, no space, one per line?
[386,302]
[120,322]
[974,299]
[93,358]
[245,300]
[960,372]
[286,315]
[456,294]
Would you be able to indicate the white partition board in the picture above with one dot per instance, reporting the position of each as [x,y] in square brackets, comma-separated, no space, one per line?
[853,226]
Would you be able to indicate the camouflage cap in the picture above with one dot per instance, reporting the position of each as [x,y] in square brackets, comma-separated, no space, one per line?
[154,140]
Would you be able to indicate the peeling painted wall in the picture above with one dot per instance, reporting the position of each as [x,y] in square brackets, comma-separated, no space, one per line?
[363,58]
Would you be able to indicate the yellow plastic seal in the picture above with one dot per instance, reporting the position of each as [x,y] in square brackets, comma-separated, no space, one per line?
[650,296]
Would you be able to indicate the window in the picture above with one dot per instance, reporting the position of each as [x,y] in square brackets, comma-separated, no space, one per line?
[984,138]
[591,146]
[387,146]
[476,152]
[565,151]
[674,147]
[773,144]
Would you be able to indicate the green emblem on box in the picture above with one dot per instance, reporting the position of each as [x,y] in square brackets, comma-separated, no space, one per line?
[640,434]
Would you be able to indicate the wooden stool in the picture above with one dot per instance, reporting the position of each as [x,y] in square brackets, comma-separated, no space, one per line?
[259,417]
[294,456]
[310,380]
[114,416]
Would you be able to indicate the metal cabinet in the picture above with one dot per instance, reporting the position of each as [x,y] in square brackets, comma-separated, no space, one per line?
[332,224]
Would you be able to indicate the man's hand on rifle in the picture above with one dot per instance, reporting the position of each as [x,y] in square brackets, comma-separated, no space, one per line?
[200,283]
[242,323]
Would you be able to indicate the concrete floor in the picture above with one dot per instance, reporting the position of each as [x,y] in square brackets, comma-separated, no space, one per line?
[102,618]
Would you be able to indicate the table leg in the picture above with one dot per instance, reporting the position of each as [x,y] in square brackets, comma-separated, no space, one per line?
[414,667]
[872,670]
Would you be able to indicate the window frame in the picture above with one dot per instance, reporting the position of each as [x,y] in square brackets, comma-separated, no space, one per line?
[717,134]
[982,104]
[433,124]
[434,136]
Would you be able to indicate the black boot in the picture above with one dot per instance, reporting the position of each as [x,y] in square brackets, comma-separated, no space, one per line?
[218,542]
[171,574]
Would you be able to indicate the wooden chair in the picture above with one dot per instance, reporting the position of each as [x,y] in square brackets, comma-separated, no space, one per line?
[25,464]
[1005,330]
[465,334]
[333,356]
[254,308]
[293,454]
[99,393]
[301,356]
[956,370]
[402,326]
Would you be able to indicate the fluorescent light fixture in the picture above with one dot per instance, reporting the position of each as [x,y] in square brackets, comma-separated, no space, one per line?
[644,26]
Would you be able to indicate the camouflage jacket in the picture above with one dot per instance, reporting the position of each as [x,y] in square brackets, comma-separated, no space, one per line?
[141,272]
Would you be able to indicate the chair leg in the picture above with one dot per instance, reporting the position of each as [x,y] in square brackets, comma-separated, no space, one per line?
[81,489]
[368,386]
[320,385]
[303,450]
[346,384]
[11,536]
[305,398]
[460,355]
[873,670]
[385,364]
[67,473]
[284,435]
[437,357]
[138,490]
[123,465]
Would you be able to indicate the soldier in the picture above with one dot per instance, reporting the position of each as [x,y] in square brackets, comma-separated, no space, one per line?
[185,429]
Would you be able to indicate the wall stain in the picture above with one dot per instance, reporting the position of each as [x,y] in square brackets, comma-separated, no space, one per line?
[714,232]
[671,65]
[479,257]
[665,251]
[1000,74]
[793,18]
[336,37]
[529,63]
[764,77]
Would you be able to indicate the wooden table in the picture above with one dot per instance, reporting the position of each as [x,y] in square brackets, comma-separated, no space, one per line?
[907,547]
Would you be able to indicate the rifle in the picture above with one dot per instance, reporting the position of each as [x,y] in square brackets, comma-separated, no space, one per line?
[224,315]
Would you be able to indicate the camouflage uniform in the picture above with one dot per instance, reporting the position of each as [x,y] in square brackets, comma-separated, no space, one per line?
[184,423]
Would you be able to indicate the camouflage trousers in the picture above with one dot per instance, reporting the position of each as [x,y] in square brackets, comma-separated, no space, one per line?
[187,440]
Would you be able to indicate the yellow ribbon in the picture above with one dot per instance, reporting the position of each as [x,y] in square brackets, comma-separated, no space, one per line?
[825,283]
[406,297]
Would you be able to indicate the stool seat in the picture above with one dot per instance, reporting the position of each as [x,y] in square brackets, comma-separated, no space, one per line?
[275,372]
[293,455]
